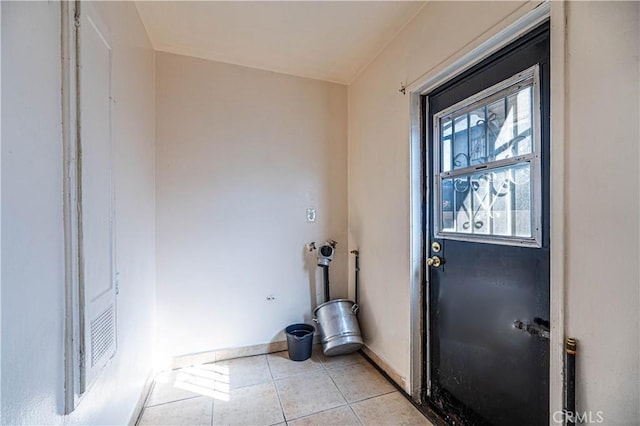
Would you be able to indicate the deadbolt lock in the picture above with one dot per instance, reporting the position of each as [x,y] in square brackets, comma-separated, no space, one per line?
[434,261]
[435,247]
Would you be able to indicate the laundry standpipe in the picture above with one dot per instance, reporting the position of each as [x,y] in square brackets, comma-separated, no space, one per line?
[336,319]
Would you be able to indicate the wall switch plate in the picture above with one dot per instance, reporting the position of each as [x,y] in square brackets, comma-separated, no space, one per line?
[311,215]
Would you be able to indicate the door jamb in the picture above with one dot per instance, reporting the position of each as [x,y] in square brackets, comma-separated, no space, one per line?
[69,107]
[512,27]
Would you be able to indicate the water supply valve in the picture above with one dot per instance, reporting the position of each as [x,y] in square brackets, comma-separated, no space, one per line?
[326,252]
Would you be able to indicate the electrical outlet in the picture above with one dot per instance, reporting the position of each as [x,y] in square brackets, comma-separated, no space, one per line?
[311,215]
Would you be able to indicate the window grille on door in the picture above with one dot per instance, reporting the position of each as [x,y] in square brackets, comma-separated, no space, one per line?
[487,165]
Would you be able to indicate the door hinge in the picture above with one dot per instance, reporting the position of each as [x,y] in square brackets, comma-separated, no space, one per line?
[76,15]
[81,361]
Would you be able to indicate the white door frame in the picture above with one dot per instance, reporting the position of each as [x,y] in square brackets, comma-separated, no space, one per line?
[517,24]
[70,204]
[75,348]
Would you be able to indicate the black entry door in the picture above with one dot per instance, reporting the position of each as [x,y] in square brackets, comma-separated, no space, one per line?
[487,246]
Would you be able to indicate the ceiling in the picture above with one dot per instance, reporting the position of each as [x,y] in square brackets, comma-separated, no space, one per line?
[325,40]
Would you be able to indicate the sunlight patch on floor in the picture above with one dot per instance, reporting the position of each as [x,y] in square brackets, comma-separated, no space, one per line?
[212,382]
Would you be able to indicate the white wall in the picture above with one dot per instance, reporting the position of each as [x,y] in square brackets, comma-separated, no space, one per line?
[32,238]
[0,225]
[32,256]
[601,149]
[241,155]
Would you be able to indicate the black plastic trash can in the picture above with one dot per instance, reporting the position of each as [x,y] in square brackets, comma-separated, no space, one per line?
[299,341]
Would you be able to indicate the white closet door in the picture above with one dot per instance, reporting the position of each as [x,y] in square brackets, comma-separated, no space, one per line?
[97,286]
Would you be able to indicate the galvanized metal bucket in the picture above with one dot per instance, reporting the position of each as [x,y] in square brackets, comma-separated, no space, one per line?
[338,327]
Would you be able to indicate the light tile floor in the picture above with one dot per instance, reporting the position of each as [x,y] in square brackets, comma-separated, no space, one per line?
[273,390]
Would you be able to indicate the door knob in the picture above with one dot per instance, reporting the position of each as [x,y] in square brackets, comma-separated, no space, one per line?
[434,261]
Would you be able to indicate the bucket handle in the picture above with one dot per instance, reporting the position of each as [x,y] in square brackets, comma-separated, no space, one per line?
[299,337]
[355,308]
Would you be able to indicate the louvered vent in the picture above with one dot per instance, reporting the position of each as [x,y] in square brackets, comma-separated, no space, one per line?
[101,335]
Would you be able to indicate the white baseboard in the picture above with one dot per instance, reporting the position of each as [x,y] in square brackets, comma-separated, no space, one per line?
[228,353]
[143,398]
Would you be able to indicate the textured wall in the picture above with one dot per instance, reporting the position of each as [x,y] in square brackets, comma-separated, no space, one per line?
[602,186]
[242,154]
[379,166]
[32,238]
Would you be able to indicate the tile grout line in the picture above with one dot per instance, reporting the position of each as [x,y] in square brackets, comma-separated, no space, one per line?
[338,387]
[325,367]
[320,412]
[356,414]
[213,401]
[275,385]
[355,402]
[372,397]
[174,400]
[243,386]
[328,366]
[349,404]
[310,414]
[319,358]
[346,365]
[364,399]
[434,417]
[314,371]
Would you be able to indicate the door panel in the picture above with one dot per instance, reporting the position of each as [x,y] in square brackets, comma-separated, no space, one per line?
[485,367]
[98,318]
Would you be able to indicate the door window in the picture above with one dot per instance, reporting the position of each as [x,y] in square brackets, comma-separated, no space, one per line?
[487,168]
